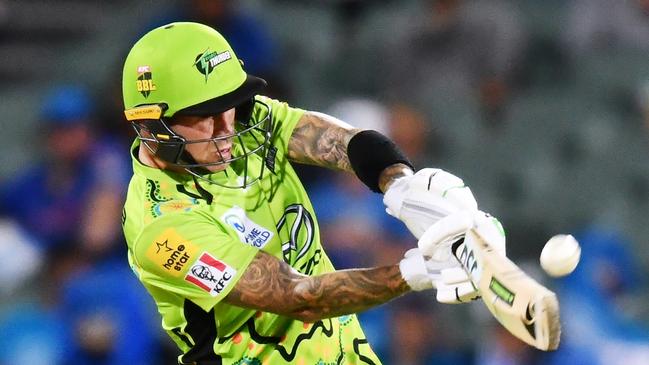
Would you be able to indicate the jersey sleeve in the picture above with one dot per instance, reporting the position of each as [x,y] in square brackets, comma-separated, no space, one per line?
[285,119]
[190,255]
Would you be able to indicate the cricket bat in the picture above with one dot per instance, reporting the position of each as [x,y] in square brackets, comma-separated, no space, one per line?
[527,309]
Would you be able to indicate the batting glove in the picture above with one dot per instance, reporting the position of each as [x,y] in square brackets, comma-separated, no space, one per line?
[438,267]
[453,283]
[422,199]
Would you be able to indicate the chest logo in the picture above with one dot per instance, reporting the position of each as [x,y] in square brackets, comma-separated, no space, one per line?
[301,231]
[246,229]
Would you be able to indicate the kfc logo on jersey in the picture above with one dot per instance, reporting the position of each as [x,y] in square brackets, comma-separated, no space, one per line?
[248,231]
[210,274]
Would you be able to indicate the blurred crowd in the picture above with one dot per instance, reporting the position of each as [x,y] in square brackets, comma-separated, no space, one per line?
[542,108]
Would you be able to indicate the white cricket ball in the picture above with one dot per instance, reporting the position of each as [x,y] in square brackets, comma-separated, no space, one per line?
[560,255]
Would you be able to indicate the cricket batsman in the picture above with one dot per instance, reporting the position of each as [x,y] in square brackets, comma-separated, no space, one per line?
[221,232]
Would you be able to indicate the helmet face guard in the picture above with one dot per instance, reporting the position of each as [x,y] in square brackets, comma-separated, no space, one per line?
[190,69]
[250,138]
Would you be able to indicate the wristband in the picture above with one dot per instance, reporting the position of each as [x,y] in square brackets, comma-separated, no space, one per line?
[370,153]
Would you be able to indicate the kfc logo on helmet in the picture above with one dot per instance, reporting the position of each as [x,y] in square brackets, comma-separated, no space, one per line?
[210,274]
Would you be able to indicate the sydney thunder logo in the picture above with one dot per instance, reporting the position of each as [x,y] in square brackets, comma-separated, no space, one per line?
[206,61]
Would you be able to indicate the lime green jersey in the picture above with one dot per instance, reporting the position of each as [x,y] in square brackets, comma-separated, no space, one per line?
[190,241]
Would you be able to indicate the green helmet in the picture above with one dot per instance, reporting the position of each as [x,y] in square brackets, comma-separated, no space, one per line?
[190,69]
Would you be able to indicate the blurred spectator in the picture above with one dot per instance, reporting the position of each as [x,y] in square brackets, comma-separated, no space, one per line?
[112,323]
[362,113]
[598,299]
[457,52]
[98,315]
[417,138]
[71,201]
[405,125]
[72,197]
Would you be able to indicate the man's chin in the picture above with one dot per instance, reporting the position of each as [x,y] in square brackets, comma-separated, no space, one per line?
[218,168]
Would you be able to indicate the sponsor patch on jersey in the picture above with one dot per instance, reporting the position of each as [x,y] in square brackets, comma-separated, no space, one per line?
[210,274]
[248,231]
[171,252]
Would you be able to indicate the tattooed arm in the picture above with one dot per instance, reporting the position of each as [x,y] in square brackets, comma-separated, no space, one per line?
[320,139]
[271,285]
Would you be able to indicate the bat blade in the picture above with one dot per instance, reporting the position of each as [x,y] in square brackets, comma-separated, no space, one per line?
[527,309]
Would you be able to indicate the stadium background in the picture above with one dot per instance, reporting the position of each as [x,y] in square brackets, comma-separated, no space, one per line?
[541,106]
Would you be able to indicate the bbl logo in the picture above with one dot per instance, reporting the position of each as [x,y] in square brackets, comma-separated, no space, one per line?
[144,81]
[206,61]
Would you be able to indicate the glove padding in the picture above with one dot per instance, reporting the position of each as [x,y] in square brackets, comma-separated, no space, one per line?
[441,250]
[455,287]
[452,283]
[439,267]
[422,199]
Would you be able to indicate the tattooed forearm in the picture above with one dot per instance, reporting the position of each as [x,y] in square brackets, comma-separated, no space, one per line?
[271,285]
[319,139]
[349,291]
[264,283]
[391,173]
